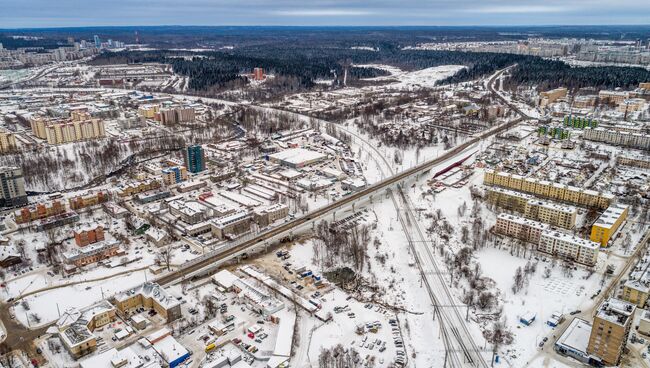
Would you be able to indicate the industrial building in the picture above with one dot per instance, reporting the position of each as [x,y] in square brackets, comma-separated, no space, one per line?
[297,157]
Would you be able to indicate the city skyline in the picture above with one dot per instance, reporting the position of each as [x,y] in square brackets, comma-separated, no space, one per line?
[68,13]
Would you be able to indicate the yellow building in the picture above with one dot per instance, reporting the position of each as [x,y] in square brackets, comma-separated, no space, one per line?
[137,187]
[551,96]
[66,131]
[636,161]
[546,189]
[608,223]
[75,327]
[148,111]
[636,292]
[7,141]
[149,296]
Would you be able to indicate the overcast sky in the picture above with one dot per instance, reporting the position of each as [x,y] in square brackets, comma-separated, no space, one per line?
[61,13]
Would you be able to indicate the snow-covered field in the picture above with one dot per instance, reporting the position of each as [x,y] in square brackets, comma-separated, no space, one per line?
[427,77]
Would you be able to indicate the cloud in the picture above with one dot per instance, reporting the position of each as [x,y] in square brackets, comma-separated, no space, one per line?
[519,9]
[322,12]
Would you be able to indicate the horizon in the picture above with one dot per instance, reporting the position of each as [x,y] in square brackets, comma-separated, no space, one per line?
[330,13]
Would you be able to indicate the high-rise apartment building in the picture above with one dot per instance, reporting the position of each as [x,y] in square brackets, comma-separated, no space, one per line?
[79,128]
[98,42]
[7,141]
[194,158]
[12,187]
[610,330]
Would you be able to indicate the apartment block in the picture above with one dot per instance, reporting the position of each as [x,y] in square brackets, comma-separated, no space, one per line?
[636,161]
[175,115]
[619,138]
[551,96]
[615,97]
[520,228]
[551,213]
[148,111]
[636,292]
[7,141]
[89,236]
[508,199]
[12,187]
[39,211]
[610,330]
[607,224]
[546,189]
[174,175]
[59,131]
[569,247]
[83,201]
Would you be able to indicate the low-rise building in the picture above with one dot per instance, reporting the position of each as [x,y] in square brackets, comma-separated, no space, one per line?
[574,341]
[546,189]
[569,247]
[231,225]
[551,96]
[268,215]
[636,292]
[297,157]
[39,211]
[75,327]
[92,253]
[636,161]
[129,189]
[520,228]
[551,213]
[191,212]
[608,223]
[619,138]
[84,237]
[150,296]
[83,201]
[508,199]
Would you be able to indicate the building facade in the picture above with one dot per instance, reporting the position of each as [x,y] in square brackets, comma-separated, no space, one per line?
[85,237]
[150,296]
[608,223]
[546,189]
[194,157]
[7,141]
[12,187]
[619,138]
[610,330]
[569,247]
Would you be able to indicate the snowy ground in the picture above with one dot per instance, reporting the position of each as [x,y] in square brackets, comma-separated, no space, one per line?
[420,78]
